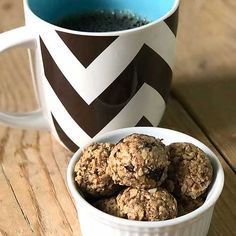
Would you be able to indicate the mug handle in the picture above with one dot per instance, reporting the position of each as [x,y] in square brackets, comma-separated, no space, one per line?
[21,37]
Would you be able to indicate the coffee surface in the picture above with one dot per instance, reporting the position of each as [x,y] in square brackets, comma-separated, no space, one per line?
[102,21]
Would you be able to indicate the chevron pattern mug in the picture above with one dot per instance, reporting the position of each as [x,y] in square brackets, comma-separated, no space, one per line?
[88,83]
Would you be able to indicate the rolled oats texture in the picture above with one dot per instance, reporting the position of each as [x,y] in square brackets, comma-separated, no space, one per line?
[90,171]
[190,169]
[187,204]
[108,205]
[139,161]
[147,205]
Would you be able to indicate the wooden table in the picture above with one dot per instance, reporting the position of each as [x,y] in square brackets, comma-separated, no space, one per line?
[33,194]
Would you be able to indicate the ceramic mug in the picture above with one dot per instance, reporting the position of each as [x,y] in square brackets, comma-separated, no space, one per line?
[88,83]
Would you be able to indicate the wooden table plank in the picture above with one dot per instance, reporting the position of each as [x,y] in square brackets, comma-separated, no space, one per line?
[56,162]
[205,76]
[38,186]
[8,203]
[11,213]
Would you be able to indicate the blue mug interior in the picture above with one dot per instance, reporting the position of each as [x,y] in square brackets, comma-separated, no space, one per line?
[50,10]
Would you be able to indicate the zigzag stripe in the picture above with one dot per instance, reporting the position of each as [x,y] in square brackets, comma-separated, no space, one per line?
[172,21]
[72,146]
[70,127]
[147,67]
[137,108]
[63,138]
[130,115]
[91,82]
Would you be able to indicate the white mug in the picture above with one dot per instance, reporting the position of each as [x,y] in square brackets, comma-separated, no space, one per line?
[88,83]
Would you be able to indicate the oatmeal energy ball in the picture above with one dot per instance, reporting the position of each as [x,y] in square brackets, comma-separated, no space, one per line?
[187,204]
[190,169]
[108,205]
[139,161]
[90,171]
[147,205]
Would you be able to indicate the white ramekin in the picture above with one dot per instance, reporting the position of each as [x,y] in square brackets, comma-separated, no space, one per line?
[95,222]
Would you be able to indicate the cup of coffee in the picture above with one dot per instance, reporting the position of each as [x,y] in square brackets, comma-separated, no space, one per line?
[97,65]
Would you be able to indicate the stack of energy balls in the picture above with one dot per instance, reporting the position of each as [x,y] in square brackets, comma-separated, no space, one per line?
[140,178]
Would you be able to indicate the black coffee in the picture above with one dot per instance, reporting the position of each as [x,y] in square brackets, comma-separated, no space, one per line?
[102,21]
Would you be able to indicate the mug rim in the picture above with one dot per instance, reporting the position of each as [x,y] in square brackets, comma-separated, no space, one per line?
[106,218]
[110,33]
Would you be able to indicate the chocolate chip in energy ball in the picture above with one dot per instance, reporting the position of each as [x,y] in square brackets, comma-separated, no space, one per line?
[190,169]
[90,171]
[138,160]
[147,205]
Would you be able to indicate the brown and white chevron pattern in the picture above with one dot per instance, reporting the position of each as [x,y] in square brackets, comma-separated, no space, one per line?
[95,84]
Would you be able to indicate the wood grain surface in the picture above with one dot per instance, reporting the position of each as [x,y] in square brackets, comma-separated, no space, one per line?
[34,199]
